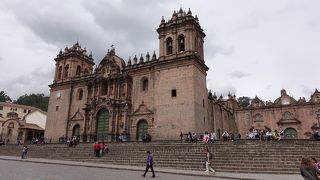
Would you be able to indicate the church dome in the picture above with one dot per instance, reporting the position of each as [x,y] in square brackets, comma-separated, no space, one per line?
[112,58]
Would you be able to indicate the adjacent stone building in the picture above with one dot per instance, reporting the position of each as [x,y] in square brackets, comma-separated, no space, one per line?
[298,118]
[20,122]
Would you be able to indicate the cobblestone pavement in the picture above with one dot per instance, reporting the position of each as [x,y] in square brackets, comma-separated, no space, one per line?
[15,168]
[23,170]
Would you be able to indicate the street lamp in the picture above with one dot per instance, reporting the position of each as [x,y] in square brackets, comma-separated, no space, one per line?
[318,117]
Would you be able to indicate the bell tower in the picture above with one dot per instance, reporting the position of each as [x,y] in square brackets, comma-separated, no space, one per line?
[181,35]
[73,62]
[68,92]
[180,77]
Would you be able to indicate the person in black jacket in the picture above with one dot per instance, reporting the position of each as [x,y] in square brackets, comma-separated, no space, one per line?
[308,170]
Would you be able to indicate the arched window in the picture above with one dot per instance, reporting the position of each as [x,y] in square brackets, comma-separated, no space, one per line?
[11,125]
[290,133]
[104,87]
[169,45]
[258,118]
[66,71]
[86,71]
[60,72]
[287,115]
[80,94]
[145,84]
[181,43]
[12,115]
[78,72]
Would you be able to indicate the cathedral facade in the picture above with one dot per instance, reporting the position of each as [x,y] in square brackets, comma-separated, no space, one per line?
[161,96]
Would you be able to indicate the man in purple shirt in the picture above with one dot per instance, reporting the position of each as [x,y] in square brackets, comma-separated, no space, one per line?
[149,164]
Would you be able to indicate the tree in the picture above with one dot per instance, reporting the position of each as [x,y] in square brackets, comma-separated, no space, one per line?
[36,100]
[244,101]
[4,97]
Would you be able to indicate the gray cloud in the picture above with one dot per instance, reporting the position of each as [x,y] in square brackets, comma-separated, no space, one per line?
[224,90]
[237,33]
[94,25]
[238,74]
[306,89]
[268,87]
[35,82]
[218,49]
[1,58]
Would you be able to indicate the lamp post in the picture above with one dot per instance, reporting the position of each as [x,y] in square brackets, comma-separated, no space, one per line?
[318,117]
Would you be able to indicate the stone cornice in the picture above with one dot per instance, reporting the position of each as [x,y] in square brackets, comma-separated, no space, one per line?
[278,106]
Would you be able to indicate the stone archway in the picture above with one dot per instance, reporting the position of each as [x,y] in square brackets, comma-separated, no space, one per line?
[76,131]
[290,133]
[142,129]
[102,125]
[20,136]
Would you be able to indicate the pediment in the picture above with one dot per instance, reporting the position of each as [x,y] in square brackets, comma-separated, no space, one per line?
[288,121]
[77,117]
[285,100]
[142,110]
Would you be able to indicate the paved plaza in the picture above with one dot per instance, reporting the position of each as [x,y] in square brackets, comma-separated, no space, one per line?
[18,170]
[13,168]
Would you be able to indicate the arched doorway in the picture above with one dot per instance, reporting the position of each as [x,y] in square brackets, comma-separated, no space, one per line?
[142,129]
[9,133]
[20,135]
[102,126]
[290,133]
[76,131]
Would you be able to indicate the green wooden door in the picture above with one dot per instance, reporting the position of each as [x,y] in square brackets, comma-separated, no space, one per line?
[142,129]
[102,127]
[290,133]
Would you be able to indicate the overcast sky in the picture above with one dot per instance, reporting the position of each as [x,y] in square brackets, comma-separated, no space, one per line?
[251,47]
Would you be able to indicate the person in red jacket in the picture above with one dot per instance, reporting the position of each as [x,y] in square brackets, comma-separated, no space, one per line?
[96,148]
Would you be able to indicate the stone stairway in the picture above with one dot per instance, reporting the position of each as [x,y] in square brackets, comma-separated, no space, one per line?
[248,156]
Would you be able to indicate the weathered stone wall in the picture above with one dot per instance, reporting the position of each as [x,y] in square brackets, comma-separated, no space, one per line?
[57,119]
[174,114]
[302,120]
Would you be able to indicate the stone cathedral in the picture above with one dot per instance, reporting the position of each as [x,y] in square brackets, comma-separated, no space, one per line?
[161,96]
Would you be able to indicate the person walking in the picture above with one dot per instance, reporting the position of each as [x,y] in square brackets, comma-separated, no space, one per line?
[208,161]
[181,136]
[24,152]
[149,164]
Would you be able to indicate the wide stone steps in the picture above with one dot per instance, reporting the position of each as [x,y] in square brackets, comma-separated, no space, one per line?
[238,156]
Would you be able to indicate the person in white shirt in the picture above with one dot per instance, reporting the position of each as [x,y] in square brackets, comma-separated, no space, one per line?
[209,161]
